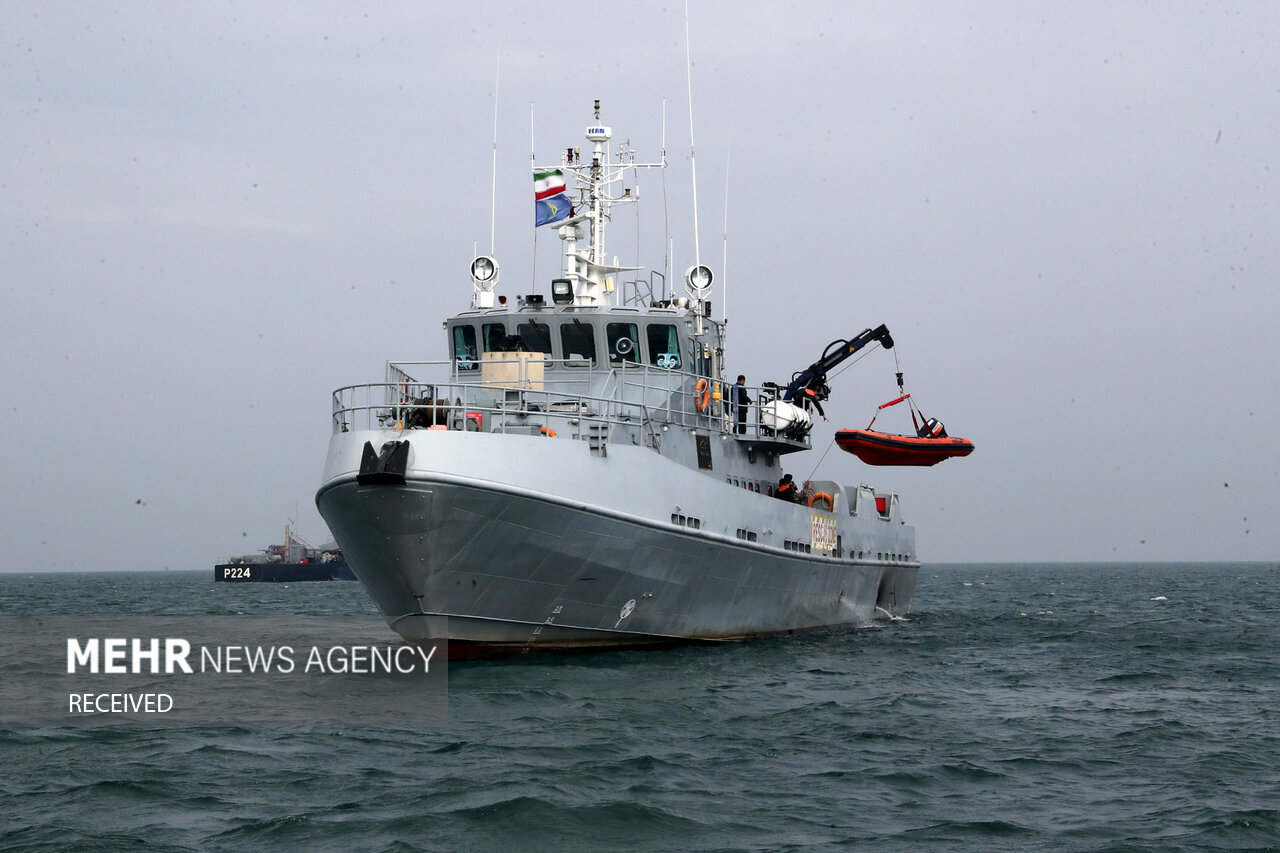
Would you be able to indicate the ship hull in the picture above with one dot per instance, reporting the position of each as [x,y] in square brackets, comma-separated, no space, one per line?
[496,567]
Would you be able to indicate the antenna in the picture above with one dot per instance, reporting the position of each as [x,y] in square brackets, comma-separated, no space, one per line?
[493,193]
[533,267]
[666,217]
[671,252]
[724,262]
[693,163]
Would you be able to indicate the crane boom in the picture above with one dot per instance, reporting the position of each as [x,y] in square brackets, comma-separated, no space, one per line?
[815,375]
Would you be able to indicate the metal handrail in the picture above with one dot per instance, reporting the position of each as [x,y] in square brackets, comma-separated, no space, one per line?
[513,404]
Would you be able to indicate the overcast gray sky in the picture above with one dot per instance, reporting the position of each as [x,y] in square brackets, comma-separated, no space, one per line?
[211,215]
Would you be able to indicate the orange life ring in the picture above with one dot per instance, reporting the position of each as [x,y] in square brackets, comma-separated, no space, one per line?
[831,504]
[702,395]
[549,433]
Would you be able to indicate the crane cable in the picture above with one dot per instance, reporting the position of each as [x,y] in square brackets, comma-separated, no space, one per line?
[820,458]
[897,365]
[866,352]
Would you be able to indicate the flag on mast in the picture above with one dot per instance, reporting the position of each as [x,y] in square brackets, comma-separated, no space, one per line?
[550,197]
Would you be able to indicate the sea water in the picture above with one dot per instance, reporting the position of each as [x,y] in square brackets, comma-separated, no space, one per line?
[1018,707]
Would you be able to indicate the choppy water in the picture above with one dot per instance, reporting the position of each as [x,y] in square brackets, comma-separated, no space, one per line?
[1020,707]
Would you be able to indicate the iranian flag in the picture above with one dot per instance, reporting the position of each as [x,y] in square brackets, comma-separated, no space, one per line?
[550,198]
[547,184]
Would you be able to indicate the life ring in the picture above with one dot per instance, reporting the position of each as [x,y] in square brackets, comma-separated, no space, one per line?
[549,433]
[702,395]
[831,504]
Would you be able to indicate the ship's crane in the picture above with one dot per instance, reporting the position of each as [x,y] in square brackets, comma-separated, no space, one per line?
[814,377]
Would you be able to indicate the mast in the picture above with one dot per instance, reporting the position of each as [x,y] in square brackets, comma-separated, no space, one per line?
[588,276]
[598,135]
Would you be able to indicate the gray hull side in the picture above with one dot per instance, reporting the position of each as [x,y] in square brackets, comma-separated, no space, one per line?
[478,564]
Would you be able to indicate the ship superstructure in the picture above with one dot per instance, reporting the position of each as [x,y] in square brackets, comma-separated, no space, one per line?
[578,473]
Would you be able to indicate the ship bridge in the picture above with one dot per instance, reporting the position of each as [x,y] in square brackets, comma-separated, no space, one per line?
[626,374]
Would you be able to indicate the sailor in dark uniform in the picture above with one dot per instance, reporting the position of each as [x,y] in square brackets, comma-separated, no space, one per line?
[741,401]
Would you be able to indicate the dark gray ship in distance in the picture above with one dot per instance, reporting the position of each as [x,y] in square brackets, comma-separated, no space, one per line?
[295,560]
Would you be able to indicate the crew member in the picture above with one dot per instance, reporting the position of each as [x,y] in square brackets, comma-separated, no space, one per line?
[786,490]
[741,400]
[812,395]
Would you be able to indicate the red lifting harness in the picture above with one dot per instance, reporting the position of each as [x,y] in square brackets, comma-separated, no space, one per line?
[895,402]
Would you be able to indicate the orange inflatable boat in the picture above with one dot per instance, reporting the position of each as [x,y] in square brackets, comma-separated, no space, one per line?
[881,448]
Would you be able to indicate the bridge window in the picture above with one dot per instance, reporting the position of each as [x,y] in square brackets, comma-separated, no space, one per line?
[464,347]
[536,337]
[495,338]
[624,342]
[664,346]
[579,343]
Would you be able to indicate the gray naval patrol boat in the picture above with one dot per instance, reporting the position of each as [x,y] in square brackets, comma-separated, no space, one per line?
[580,475]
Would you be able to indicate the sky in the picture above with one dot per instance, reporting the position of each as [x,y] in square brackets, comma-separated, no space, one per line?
[212,215]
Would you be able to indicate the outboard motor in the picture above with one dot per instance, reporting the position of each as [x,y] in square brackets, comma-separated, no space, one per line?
[932,428]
